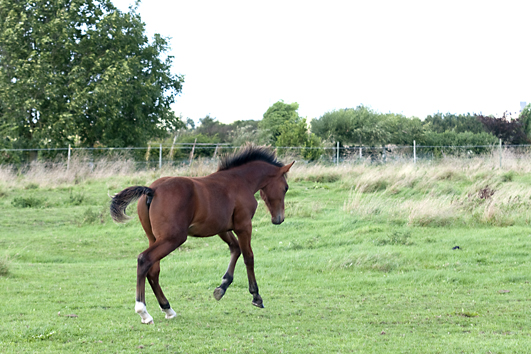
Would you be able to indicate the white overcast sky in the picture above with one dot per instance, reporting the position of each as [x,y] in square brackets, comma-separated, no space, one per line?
[410,57]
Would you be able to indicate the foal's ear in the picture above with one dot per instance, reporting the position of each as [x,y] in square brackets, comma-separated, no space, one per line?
[286,168]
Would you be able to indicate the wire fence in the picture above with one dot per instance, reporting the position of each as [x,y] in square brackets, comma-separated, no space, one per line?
[156,156]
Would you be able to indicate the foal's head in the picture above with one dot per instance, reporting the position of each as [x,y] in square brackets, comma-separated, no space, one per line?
[273,194]
[274,188]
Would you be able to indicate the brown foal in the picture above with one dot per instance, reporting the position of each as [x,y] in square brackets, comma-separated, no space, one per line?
[173,208]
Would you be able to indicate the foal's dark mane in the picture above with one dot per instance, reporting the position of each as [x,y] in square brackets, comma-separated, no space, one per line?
[248,154]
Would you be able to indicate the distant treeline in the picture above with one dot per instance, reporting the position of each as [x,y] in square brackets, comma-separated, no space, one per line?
[281,126]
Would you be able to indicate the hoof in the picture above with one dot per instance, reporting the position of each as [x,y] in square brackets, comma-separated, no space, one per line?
[169,313]
[218,293]
[140,308]
[259,304]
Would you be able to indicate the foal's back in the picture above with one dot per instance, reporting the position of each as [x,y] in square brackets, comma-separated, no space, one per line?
[204,206]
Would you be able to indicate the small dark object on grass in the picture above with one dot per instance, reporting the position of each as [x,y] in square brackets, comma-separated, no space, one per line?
[456,248]
[71,315]
[486,193]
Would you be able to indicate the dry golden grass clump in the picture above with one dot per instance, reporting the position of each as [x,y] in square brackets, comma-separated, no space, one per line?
[53,174]
[444,192]
[50,174]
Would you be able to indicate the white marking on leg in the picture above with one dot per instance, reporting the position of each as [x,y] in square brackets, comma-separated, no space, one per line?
[140,308]
[169,313]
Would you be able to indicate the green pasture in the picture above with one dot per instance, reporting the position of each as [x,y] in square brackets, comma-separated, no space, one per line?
[364,263]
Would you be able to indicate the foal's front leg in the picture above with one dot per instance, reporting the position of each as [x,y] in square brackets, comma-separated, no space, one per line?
[244,239]
[235,252]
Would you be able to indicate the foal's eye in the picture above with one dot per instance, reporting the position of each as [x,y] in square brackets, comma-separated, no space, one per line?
[287,187]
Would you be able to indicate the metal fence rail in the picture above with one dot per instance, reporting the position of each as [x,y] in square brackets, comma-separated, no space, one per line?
[153,156]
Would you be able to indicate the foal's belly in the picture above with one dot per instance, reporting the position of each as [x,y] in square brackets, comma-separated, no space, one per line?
[205,230]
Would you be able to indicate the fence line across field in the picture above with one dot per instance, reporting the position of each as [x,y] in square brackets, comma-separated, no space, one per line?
[363,151]
[228,146]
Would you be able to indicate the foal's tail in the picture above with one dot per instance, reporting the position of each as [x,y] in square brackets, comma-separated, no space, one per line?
[121,200]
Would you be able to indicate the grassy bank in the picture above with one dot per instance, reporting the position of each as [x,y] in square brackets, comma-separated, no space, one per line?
[366,261]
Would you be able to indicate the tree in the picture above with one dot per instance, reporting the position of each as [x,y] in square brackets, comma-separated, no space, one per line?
[190,123]
[296,134]
[82,72]
[211,127]
[287,129]
[525,120]
[360,126]
[244,131]
[404,130]
[510,131]
[277,115]
[440,123]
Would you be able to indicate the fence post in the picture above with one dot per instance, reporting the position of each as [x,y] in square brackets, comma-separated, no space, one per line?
[160,156]
[148,151]
[414,152]
[68,162]
[384,156]
[500,154]
[216,151]
[192,153]
[360,153]
[171,150]
[337,154]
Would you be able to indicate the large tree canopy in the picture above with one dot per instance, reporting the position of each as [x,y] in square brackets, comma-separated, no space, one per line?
[82,72]
[278,115]
[351,126]
[287,129]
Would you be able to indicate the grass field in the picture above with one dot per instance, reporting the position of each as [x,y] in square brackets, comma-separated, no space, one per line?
[364,263]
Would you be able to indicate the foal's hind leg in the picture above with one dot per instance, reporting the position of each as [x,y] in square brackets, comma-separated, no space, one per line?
[153,279]
[234,254]
[158,250]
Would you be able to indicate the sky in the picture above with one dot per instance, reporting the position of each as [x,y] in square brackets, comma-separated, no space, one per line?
[414,58]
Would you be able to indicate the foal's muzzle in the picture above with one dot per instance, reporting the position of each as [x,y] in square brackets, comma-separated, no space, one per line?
[277,220]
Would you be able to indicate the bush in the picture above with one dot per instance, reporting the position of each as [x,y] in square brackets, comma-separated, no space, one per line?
[28,202]
[396,238]
[4,266]
[92,217]
[76,198]
[452,139]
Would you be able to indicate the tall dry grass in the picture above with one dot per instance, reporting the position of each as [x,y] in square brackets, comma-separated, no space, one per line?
[444,192]
[49,174]
[439,192]
[80,169]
